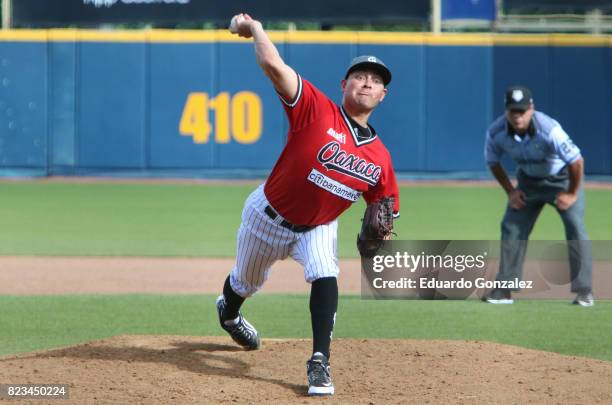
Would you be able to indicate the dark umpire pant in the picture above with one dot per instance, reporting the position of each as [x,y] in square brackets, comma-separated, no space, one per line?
[517,225]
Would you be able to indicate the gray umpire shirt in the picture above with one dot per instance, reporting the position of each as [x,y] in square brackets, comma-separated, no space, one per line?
[544,151]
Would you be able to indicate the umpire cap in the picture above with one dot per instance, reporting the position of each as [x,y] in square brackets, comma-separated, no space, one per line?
[518,98]
[370,62]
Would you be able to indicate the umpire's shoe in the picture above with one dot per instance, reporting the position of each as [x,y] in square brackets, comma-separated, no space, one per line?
[242,332]
[499,296]
[584,299]
[319,376]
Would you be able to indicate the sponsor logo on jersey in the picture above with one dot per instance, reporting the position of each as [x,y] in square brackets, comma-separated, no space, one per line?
[333,157]
[333,186]
[339,136]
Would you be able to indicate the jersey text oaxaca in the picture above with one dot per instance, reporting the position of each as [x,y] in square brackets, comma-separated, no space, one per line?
[325,167]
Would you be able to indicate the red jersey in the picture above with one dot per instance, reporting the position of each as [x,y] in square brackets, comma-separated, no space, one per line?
[325,167]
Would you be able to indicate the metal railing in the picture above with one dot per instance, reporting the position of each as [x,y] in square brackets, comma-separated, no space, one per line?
[594,22]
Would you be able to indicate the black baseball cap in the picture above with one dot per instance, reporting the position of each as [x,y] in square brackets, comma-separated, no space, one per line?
[370,62]
[518,98]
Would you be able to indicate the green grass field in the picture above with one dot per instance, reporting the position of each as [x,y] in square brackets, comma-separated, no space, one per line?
[37,322]
[201,220]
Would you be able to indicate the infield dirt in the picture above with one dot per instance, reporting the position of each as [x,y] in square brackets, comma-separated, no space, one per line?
[179,369]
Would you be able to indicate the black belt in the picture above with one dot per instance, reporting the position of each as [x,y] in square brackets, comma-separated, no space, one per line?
[295,228]
[561,175]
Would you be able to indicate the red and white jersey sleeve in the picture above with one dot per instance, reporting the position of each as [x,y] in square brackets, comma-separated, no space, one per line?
[309,101]
[324,167]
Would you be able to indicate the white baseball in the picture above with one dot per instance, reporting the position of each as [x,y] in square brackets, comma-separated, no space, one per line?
[237,19]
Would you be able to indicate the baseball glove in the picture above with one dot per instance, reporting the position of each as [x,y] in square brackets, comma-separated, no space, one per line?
[377,226]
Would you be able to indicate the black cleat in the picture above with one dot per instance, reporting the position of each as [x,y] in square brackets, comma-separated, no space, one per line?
[319,375]
[243,332]
[500,296]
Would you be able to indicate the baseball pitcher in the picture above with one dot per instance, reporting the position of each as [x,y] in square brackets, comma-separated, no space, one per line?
[332,157]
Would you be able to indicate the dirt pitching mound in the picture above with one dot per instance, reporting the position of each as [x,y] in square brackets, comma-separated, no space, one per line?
[165,369]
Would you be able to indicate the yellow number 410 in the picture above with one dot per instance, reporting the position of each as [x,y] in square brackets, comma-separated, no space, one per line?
[244,109]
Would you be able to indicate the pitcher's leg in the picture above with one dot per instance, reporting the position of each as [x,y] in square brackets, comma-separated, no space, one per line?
[260,242]
[254,257]
[316,251]
[323,307]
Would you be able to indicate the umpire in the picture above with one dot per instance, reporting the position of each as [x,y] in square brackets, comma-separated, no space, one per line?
[550,171]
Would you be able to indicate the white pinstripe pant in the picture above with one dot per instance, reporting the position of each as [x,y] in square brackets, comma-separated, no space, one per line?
[262,241]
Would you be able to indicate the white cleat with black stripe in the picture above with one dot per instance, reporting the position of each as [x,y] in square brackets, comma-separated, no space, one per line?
[242,332]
